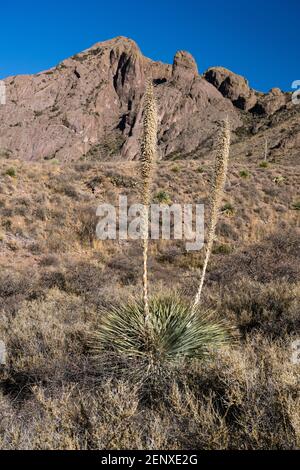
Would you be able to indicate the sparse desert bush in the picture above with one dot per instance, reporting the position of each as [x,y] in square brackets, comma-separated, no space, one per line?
[70,191]
[11,172]
[53,278]
[162,197]
[271,308]
[87,223]
[296,206]
[84,278]
[244,174]
[222,249]
[42,337]
[122,182]
[49,260]
[279,179]
[16,287]
[175,169]
[227,209]
[200,169]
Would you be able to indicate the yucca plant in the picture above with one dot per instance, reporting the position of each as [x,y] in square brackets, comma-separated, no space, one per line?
[177,335]
[221,164]
[156,335]
[148,156]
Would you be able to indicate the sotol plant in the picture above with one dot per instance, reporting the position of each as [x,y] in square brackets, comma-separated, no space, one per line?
[148,151]
[221,165]
[161,332]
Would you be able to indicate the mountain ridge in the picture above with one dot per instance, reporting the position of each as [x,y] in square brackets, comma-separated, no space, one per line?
[89,106]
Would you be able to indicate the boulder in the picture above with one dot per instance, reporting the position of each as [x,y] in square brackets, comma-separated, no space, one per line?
[184,66]
[232,86]
[270,103]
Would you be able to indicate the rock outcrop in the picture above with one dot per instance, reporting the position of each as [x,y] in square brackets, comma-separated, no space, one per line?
[90,106]
[232,86]
[236,88]
[270,103]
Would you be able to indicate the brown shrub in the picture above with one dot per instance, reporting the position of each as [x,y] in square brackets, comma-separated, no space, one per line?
[241,400]
[272,308]
[87,222]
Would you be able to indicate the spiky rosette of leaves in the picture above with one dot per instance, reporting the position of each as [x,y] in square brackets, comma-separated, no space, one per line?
[176,335]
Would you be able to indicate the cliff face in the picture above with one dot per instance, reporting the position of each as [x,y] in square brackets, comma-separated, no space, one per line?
[89,106]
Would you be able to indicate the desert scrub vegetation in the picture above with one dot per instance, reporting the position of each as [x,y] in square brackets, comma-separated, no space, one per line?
[162,197]
[158,333]
[296,205]
[172,334]
[11,172]
[227,209]
[245,399]
[54,395]
[244,174]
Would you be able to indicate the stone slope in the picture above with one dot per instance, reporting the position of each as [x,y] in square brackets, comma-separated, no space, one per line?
[90,106]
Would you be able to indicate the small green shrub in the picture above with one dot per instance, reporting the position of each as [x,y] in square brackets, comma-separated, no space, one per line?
[244,174]
[227,209]
[11,172]
[175,169]
[121,181]
[279,179]
[263,164]
[222,249]
[296,206]
[163,197]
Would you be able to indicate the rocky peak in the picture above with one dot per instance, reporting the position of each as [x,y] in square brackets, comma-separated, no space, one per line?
[232,86]
[184,66]
[271,102]
[276,92]
[90,106]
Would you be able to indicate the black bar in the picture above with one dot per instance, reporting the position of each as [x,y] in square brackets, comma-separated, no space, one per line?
[140,459]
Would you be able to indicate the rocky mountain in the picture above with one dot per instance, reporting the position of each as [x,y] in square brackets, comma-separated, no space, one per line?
[90,106]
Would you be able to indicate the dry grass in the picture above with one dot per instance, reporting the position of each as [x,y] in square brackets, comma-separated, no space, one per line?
[54,280]
[246,399]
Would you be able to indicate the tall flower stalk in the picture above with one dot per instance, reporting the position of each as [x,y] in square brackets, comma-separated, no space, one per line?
[148,158]
[221,164]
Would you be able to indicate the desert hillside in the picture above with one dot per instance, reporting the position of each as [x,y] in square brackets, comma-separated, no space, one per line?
[56,278]
[69,140]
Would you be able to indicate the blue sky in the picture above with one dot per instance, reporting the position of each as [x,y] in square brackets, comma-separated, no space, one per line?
[258,39]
